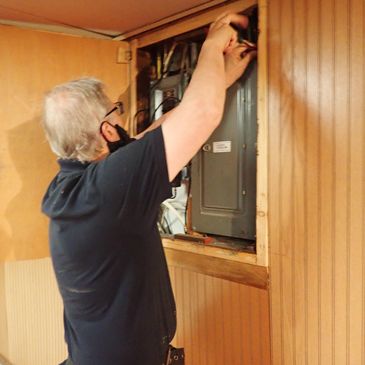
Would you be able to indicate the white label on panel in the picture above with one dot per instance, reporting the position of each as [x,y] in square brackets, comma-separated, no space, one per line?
[222,146]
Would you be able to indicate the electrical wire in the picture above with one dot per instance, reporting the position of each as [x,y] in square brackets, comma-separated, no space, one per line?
[172,209]
[187,197]
[163,102]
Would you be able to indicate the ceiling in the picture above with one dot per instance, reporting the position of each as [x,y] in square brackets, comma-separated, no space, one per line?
[110,17]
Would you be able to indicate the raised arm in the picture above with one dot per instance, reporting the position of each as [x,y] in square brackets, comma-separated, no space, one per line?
[191,123]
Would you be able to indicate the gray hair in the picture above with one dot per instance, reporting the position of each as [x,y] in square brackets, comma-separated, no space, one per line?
[72,116]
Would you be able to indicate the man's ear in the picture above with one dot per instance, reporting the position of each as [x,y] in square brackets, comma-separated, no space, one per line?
[109,132]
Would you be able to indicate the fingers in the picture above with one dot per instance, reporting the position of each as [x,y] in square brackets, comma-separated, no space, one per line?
[227,18]
[241,50]
[249,44]
[250,54]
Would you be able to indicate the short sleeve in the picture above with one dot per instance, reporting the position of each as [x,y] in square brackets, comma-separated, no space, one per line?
[134,179]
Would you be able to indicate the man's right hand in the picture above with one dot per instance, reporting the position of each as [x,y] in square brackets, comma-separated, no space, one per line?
[191,123]
[222,34]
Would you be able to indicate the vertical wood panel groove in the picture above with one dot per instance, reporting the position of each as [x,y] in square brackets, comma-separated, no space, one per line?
[316,226]
[280,146]
[349,175]
[291,82]
[333,186]
[305,117]
[319,184]
[363,201]
[228,325]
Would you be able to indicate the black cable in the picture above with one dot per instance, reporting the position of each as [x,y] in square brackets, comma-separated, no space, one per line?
[139,112]
[159,80]
[188,195]
[163,102]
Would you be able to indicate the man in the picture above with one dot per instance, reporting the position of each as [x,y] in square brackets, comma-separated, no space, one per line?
[103,204]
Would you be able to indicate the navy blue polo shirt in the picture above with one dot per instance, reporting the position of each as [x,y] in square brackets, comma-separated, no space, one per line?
[108,257]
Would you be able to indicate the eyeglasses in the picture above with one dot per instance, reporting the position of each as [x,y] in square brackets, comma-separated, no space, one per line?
[119,107]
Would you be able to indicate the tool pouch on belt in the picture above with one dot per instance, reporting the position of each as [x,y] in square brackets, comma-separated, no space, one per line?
[175,356]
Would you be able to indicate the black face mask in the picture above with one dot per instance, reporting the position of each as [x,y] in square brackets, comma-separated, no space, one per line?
[123,141]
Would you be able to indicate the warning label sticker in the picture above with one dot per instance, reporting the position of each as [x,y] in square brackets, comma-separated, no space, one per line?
[222,146]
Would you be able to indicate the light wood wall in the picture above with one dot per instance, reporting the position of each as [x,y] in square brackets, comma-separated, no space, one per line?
[219,322]
[3,315]
[32,62]
[35,314]
[317,181]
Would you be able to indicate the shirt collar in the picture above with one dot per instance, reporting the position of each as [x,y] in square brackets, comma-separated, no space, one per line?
[72,165]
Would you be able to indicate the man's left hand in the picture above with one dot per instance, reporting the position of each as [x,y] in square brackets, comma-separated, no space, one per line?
[236,60]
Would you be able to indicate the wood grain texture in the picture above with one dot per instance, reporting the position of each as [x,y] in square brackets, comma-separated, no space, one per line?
[192,22]
[35,313]
[317,181]
[238,272]
[31,63]
[220,322]
[4,348]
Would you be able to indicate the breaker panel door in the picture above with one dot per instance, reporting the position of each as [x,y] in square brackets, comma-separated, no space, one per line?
[224,171]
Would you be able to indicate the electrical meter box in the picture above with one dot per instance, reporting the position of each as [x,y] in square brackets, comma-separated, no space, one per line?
[224,171]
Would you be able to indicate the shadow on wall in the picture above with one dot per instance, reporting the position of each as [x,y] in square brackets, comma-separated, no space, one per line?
[4,361]
[36,165]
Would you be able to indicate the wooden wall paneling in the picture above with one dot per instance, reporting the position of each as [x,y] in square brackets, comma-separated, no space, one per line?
[312,180]
[226,322]
[317,181]
[274,77]
[35,313]
[341,180]
[286,187]
[245,316]
[217,319]
[299,197]
[4,345]
[265,327]
[356,187]
[326,185]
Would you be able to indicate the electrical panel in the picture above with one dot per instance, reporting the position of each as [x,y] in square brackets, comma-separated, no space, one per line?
[221,179]
[224,171]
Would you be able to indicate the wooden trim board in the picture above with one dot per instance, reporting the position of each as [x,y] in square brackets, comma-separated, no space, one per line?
[191,23]
[216,262]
